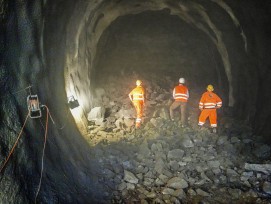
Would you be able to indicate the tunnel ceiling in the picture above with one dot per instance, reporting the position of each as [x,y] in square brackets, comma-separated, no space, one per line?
[90,21]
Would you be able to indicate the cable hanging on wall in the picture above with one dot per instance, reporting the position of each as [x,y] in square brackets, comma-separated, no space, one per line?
[34,112]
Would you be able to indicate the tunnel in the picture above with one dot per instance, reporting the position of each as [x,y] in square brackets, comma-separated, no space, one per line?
[77,57]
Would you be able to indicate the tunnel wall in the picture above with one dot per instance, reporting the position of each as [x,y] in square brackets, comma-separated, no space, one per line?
[255,17]
[67,168]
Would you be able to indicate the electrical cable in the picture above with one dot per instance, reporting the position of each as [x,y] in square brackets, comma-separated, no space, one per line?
[42,160]
[12,150]
[16,92]
[51,117]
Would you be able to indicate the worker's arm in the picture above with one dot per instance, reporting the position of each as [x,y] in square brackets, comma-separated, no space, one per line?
[144,95]
[130,96]
[201,102]
[218,102]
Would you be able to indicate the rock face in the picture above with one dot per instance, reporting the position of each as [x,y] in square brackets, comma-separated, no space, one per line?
[166,162]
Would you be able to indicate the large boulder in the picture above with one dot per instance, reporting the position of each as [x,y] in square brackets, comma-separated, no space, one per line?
[96,113]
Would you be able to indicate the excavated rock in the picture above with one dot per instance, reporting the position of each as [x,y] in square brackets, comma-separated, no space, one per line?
[163,162]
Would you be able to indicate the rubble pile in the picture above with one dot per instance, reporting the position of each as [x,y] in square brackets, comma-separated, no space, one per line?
[163,162]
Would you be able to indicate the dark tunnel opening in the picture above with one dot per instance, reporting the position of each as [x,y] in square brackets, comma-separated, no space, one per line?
[156,43]
[95,51]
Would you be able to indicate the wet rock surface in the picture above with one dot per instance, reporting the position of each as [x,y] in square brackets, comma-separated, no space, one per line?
[163,162]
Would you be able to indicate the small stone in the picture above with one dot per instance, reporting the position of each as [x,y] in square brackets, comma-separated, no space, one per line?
[148,182]
[168,191]
[122,186]
[108,173]
[235,140]
[127,165]
[119,123]
[157,122]
[177,183]
[186,141]
[222,139]
[151,195]
[160,166]
[216,171]
[179,193]
[174,166]
[139,176]
[191,192]
[175,154]
[156,147]
[163,178]
[187,159]
[235,193]
[130,177]
[202,193]
[267,187]
[213,164]
[143,201]
[159,182]
[130,186]
[246,175]
[128,122]
[182,163]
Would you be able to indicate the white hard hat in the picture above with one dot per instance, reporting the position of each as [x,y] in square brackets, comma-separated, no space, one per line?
[138,82]
[181,80]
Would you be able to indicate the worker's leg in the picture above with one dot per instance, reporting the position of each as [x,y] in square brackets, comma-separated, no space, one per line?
[213,118]
[139,112]
[183,112]
[173,106]
[203,116]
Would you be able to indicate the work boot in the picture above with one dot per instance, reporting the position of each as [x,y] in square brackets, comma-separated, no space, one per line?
[214,130]
[199,127]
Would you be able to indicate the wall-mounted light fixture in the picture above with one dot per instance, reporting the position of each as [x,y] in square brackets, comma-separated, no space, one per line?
[34,106]
[72,102]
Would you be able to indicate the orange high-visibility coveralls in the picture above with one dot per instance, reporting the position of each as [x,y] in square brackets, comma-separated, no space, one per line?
[181,95]
[137,95]
[209,102]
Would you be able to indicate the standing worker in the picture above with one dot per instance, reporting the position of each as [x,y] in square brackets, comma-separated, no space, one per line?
[208,104]
[180,95]
[137,96]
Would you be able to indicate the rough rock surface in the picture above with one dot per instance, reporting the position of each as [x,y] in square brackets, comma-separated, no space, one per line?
[163,162]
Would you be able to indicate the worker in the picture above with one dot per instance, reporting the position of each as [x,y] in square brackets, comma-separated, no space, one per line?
[208,104]
[137,96]
[180,95]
